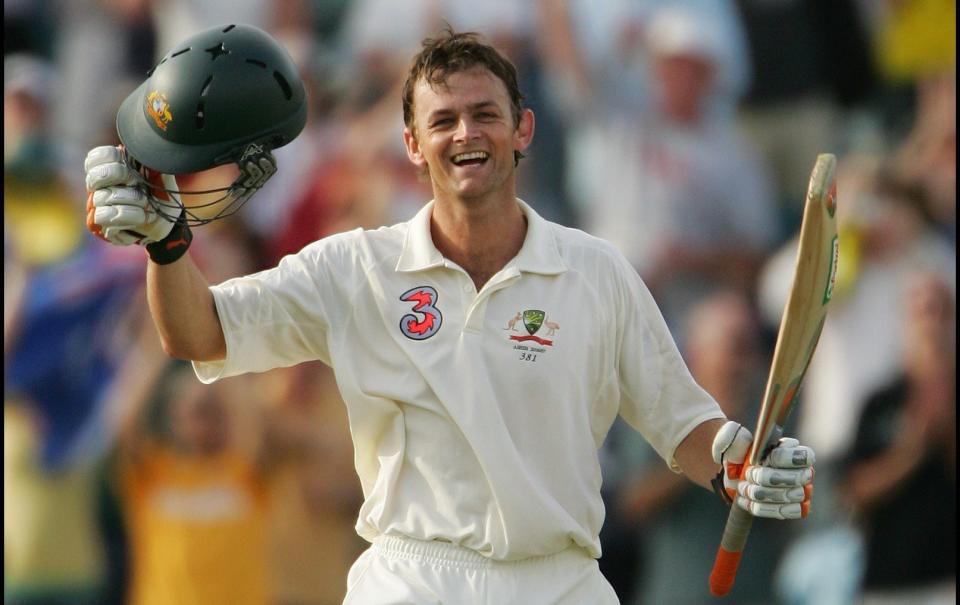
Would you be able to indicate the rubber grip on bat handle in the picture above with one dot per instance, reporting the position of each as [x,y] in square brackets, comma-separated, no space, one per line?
[734,539]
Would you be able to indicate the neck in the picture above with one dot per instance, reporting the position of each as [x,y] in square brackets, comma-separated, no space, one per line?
[481,235]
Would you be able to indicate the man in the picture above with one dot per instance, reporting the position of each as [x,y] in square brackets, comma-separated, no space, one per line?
[669,181]
[903,461]
[194,498]
[476,446]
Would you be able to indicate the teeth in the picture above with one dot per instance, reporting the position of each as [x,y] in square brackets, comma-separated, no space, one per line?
[472,155]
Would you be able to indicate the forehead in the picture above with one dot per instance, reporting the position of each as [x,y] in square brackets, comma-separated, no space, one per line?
[462,88]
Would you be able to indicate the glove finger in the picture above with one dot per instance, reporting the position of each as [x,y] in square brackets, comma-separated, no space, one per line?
[105,154]
[120,196]
[107,175]
[121,236]
[759,493]
[791,457]
[770,511]
[92,225]
[778,477]
[731,443]
[122,217]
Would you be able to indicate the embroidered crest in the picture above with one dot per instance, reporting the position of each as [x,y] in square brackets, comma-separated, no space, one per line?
[425,320]
[158,108]
[533,320]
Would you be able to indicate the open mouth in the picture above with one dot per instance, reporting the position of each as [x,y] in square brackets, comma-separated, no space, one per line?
[471,158]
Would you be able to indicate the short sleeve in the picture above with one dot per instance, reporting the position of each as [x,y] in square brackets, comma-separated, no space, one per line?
[659,397]
[274,318]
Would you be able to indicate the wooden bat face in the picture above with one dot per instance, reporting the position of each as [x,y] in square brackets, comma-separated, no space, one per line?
[806,309]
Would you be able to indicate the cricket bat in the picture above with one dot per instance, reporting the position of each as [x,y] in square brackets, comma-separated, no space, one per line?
[803,317]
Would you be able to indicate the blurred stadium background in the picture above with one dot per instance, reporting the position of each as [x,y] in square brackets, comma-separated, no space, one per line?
[683,131]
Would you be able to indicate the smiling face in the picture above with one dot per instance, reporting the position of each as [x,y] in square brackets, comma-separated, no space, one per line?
[464,135]
[684,81]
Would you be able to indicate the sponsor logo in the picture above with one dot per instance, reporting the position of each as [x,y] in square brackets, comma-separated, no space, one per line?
[158,108]
[426,319]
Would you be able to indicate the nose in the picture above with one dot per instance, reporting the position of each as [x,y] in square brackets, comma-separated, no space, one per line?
[466,130]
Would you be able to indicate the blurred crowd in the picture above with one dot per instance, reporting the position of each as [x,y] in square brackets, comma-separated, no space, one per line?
[683,131]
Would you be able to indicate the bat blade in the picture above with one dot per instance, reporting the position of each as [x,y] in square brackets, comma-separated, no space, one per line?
[800,327]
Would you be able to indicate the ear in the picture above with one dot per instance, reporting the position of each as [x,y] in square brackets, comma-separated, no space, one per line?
[524,133]
[413,149]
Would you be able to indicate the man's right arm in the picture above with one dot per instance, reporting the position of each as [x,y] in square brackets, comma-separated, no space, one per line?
[184,312]
[120,211]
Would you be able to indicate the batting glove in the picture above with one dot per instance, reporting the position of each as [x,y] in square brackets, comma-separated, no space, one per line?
[780,488]
[122,210]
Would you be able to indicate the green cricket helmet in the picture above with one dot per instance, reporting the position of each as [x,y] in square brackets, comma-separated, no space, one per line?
[227,94]
[212,96]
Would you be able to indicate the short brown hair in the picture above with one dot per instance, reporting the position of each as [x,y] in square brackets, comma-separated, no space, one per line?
[451,53]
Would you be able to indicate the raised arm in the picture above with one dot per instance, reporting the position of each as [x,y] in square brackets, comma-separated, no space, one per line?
[119,211]
[182,308]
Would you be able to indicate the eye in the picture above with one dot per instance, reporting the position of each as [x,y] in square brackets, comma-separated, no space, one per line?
[441,122]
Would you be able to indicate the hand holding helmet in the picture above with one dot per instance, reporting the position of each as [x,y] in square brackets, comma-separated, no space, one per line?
[119,208]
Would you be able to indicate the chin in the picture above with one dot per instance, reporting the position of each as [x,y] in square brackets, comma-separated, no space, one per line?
[473,193]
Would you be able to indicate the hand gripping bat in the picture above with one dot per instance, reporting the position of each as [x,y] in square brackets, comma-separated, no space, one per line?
[800,327]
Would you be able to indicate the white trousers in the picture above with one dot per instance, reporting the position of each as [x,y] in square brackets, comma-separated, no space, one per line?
[403,571]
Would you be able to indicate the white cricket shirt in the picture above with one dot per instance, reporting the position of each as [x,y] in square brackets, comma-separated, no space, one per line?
[476,417]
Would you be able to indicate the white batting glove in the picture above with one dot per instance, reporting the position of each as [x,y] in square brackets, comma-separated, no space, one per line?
[118,204]
[780,488]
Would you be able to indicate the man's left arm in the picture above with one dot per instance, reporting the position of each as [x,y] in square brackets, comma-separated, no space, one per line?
[693,453]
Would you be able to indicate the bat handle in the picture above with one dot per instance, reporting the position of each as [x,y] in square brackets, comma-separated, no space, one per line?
[731,548]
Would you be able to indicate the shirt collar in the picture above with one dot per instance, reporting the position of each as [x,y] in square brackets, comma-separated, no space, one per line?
[539,253]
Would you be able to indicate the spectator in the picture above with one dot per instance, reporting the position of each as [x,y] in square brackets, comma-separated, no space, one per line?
[912,42]
[885,239]
[51,549]
[64,342]
[674,187]
[928,156]
[902,475]
[811,62]
[195,501]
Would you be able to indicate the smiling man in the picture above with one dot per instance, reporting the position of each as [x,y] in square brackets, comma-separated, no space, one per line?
[483,354]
